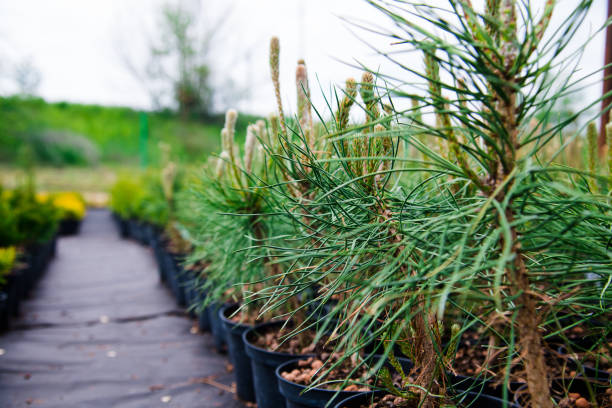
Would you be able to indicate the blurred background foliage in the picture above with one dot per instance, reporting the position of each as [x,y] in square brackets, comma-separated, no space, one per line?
[64,133]
[83,147]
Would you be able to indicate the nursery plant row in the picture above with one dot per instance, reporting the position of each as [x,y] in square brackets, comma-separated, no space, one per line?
[30,223]
[416,240]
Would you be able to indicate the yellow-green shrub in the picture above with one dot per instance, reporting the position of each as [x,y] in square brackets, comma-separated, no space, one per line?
[7,261]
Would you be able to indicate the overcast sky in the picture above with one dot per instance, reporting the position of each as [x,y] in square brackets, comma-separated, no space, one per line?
[77,44]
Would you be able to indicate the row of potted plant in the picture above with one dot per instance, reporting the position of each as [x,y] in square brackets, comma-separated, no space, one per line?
[29,225]
[419,245]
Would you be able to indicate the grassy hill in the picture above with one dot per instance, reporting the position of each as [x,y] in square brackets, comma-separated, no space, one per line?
[65,133]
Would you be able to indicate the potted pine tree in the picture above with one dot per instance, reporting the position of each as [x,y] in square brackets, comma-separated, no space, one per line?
[233,239]
[488,235]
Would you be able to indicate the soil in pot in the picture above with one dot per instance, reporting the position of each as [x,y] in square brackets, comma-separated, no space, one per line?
[234,330]
[472,371]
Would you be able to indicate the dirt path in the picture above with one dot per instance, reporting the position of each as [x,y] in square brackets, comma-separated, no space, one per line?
[100,331]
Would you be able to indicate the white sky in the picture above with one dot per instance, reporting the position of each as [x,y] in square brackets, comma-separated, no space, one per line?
[76,45]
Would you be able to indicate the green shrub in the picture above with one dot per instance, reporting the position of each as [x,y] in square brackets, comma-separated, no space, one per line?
[36,220]
[7,261]
[60,148]
[125,196]
[70,204]
[25,218]
[8,224]
[154,207]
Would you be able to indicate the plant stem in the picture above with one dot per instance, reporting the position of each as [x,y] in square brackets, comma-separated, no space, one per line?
[530,338]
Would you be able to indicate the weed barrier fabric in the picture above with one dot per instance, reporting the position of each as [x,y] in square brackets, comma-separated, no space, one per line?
[99,330]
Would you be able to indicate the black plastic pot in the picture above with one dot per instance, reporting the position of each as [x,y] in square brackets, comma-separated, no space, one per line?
[124,227]
[4,314]
[470,399]
[130,228]
[482,386]
[181,279]
[356,401]
[296,395]
[53,247]
[190,295]
[203,320]
[69,226]
[159,258]
[135,231]
[561,387]
[145,233]
[29,272]
[13,290]
[168,268]
[589,370]
[238,356]
[216,327]
[175,278]
[152,234]
[264,363]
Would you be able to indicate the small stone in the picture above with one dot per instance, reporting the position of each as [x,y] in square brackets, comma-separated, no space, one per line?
[317,364]
[582,403]
[574,395]
[304,363]
[166,399]
[578,330]
[352,387]
[104,319]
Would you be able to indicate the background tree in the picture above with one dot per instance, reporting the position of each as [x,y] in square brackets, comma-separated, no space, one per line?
[180,71]
[27,77]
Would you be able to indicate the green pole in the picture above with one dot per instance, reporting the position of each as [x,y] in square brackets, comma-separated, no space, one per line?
[143,140]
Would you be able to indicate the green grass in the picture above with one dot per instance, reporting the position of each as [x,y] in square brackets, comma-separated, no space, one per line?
[113,130]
